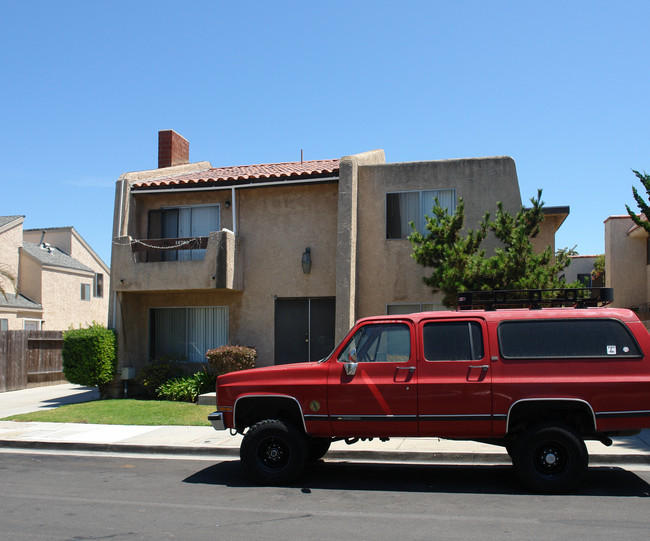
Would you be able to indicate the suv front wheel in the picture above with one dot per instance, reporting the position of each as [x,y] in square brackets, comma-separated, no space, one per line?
[550,458]
[274,452]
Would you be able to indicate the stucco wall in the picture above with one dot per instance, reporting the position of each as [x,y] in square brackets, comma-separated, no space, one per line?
[385,271]
[625,262]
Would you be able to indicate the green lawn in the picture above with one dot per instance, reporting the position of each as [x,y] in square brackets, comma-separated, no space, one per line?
[123,412]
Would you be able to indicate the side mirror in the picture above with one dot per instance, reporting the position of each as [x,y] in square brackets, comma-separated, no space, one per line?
[350,369]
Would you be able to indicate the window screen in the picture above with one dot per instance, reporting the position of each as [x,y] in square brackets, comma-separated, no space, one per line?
[575,338]
[453,341]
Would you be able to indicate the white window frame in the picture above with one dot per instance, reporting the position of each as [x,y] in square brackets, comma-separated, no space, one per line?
[419,221]
[85,291]
[39,324]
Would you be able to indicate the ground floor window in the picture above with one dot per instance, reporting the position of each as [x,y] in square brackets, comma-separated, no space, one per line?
[32,324]
[410,308]
[4,324]
[187,333]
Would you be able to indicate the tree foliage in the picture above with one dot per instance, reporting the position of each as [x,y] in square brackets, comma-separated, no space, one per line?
[90,356]
[641,221]
[459,263]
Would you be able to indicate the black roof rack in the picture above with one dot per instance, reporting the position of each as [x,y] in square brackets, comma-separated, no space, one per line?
[582,297]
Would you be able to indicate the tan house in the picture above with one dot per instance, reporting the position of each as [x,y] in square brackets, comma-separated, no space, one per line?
[60,280]
[627,256]
[284,257]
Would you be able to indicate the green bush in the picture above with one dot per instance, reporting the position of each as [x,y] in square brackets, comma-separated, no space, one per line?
[156,373]
[188,388]
[226,359]
[89,356]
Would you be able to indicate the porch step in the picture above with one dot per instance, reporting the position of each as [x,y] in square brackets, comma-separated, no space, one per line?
[208,399]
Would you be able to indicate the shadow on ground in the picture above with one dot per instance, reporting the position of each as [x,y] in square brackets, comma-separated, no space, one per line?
[463,479]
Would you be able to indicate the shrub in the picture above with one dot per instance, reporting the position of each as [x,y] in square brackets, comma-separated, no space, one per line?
[226,359]
[188,388]
[156,373]
[89,356]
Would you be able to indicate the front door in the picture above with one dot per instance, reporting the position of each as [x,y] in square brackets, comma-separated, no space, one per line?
[455,379]
[304,329]
[372,384]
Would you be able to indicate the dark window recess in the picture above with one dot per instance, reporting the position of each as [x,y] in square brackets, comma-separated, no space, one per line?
[453,341]
[566,339]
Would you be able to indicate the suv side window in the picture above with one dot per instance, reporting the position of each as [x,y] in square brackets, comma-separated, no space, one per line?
[452,341]
[386,342]
[566,338]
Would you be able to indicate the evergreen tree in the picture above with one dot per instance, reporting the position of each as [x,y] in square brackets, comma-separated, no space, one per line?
[459,263]
[643,206]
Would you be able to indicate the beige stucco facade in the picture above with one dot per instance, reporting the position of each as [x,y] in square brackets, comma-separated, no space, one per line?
[626,258]
[60,280]
[253,262]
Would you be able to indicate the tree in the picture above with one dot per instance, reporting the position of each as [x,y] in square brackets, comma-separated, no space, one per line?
[641,221]
[4,273]
[460,264]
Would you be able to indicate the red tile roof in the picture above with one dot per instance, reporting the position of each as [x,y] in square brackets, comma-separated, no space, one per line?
[247,173]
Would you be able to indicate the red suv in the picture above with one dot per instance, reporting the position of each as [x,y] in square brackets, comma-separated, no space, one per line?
[537,381]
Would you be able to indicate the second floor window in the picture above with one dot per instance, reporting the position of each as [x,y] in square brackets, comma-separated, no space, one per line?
[183,223]
[405,207]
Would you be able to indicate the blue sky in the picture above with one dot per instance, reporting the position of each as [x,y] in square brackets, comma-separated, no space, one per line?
[560,86]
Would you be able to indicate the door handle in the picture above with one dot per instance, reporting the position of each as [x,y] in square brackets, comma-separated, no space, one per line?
[411,369]
[483,367]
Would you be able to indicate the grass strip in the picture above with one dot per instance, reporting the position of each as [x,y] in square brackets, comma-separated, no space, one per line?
[123,412]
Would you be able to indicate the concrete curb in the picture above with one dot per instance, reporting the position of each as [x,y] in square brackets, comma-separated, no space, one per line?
[416,457]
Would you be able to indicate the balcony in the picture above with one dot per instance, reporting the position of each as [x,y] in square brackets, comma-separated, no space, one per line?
[211,262]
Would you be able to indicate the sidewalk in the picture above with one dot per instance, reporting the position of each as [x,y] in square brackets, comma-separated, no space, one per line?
[205,441]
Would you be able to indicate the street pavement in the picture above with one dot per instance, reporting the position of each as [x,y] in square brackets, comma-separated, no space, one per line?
[205,441]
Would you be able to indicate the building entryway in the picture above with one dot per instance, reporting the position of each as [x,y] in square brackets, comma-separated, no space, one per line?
[304,329]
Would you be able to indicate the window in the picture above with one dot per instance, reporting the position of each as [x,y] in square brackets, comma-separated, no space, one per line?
[410,308]
[181,223]
[187,333]
[85,292]
[568,339]
[453,341]
[390,342]
[585,279]
[405,207]
[31,324]
[98,285]
[4,324]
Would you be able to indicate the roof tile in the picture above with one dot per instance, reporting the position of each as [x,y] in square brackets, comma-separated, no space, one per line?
[261,173]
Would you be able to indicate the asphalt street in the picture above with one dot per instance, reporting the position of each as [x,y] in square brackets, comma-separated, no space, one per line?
[73,497]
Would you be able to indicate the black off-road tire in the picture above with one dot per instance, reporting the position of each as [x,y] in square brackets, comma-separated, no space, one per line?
[550,458]
[317,448]
[274,452]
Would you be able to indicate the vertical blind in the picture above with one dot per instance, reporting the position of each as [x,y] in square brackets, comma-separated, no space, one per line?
[187,333]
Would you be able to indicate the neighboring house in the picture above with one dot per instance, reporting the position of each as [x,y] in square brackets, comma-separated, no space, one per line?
[627,260]
[581,270]
[60,280]
[283,257]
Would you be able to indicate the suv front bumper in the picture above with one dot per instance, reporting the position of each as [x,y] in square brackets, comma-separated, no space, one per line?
[216,419]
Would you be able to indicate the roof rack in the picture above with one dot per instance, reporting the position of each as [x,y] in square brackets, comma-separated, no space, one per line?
[582,297]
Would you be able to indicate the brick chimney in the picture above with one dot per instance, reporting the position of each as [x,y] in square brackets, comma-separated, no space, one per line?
[173,149]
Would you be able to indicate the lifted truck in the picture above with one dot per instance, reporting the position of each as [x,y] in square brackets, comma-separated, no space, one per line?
[538,381]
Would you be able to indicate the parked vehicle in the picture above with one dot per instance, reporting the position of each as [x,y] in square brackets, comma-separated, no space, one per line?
[538,381]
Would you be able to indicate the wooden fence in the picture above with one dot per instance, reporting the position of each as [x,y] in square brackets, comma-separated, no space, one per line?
[30,359]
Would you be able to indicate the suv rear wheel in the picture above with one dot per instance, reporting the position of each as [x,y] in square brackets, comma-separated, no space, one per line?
[550,458]
[274,452]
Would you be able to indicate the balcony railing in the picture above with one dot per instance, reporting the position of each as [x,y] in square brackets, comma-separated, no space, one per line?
[153,250]
[211,262]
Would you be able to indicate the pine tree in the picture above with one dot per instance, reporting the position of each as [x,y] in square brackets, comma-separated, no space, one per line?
[459,263]
[641,221]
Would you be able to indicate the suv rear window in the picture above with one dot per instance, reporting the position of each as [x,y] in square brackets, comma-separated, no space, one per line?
[566,338]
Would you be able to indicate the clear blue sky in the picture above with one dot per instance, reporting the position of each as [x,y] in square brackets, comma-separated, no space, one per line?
[561,86]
